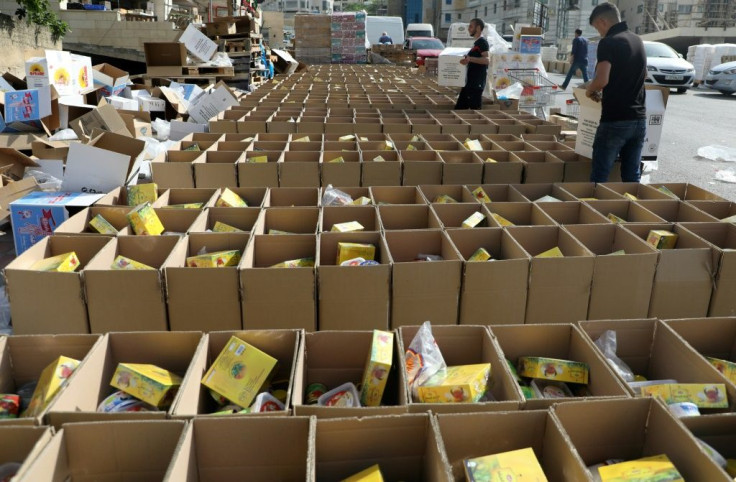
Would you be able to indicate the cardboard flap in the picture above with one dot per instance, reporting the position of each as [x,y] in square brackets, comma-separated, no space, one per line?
[14,163]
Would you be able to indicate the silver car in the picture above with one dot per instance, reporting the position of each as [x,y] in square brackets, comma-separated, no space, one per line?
[722,78]
[667,68]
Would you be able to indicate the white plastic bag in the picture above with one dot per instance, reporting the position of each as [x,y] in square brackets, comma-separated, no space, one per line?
[607,344]
[513,91]
[162,128]
[64,135]
[423,358]
[335,197]
[718,153]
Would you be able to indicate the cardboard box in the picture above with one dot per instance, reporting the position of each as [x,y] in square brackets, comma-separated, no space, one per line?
[259,174]
[421,167]
[630,212]
[167,198]
[251,457]
[217,169]
[713,338]
[21,445]
[573,213]
[635,428]
[676,211]
[80,222]
[30,110]
[264,307]
[122,300]
[451,72]
[353,297]
[563,342]
[560,288]
[622,285]
[461,168]
[635,191]
[688,192]
[381,173]
[197,43]
[247,220]
[211,103]
[63,309]
[177,171]
[408,217]
[455,215]
[109,80]
[397,195]
[498,192]
[292,196]
[588,191]
[293,220]
[506,170]
[518,213]
[714,430]
[300,169]
[346,173]
[435,193]
[540,167]
[90,383]
[366,216]
[195,399]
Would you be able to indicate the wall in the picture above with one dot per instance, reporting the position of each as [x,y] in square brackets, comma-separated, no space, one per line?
[274,23]
[21,41]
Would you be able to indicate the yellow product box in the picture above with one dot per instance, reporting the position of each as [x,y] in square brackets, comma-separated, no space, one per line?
[346,251]
[362,201]
[661,239]
[336,160]
[239,372]
[371,474]
[474,220]
[296,263]
[278,231]
[121,262]
[415,139]
[348,227]
[302,139]
[62,263]
[219,259]
[411,147]
[224,228]
[665,190]
[348,137]
[553,369]
[588,198]
[481,254]
[142,193]
[501,220]
[102,226]
[193,147]
[229,199]
[148,383]
[258,159]
[388,146]
[517,465]
[728,368]
[658,467]
[481,195]
[363,139]
[184,206]
[704,395]
[473,145]
[730,219]
[456,384]
[52,379]
[551,253]
[377,368]
[444,199]
[490,159]
[379,159]
[630,197]
[144,221]
[615,219]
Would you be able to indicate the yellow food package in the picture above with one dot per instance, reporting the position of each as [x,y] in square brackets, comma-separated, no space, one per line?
[501,220]
[662,239]
[630,197]
[296,263]
[481,254]
[149,383]
[473,145]
[588,198]
[456,384]
[224,228]
[728,368]
[362,201]
[302,139]
[414,139]
[62,263]
[184,206]
[239,372]
[481,195]
[102,226]
[123,263]
[665,190]
[229,199]
[219,259]
[346,251]
[617,253]
[371,474]
[474,220]
[257,159]
[347,227]
[377,368]
[730,219]
[553,369]
[142,193]
[658,467]
[278,231]
[379,159]
[348,137]
[551,253]
[517,465]
[704,395]
[490,159]
[52,379]
[615,219]
[410,147]
[444,199]
[388,146]
[336,160]
[144,221]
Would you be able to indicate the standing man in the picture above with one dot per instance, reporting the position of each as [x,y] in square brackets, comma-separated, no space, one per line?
[578,58]
[477,61]
[619,74]
[385,39]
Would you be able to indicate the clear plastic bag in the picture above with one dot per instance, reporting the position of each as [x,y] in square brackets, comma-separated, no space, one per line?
[513,91]
[162,128]
[423,358]
[335,197]
[46,182]
[607,344]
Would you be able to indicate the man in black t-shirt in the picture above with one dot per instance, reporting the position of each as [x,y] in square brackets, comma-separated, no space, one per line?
[477,61]
[619,74]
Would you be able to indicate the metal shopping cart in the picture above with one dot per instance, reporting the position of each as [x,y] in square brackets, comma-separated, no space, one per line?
[537,89]
[572,108]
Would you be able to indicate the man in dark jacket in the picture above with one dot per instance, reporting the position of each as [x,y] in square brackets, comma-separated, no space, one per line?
[477,60]
[578,58]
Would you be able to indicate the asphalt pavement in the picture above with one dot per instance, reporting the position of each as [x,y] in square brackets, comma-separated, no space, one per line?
[698,118]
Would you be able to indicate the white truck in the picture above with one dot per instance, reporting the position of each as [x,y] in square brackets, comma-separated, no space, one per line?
[419,30]
[375,26]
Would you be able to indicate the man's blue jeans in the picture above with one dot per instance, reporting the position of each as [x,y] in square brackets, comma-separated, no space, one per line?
[583,66]
[624,138]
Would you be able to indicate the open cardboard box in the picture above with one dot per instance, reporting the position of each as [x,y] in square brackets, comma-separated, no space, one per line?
[421,167]
[177,171]
[217,169]
[564,342]
[292,196]
[461,167]
[367,216]
[454,214]
[345,173]
[588,191]
[79,223]
[89,385]
[674,211]
[499,192]
[381,173]
[254,197]
[47,301]
[639,191]
[354,192]
[492,292]
[573,213]
[459,193]
[195,400]
[245,458]
[292,220]
[536,191]
[249,220]
[397,195]
[466,345]
[300,169]
[715,430]
[260,174]
[717,209]
[629,211]
[325,359]
[519,213]
[22,445]
[408,217]
[176,221]
[689,192]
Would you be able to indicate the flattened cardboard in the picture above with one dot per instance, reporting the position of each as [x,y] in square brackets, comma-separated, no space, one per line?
[293,220]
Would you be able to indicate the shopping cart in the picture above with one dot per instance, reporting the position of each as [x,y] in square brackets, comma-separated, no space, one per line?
[537,89]
[572,108]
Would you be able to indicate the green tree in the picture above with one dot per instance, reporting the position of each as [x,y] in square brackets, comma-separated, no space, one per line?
[38,12]
[371,8]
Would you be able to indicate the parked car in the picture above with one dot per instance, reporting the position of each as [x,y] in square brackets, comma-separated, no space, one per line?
[425,47]
[667,68]
[722,78]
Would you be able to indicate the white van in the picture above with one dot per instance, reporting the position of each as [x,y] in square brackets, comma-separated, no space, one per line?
[419,30]
[375,26]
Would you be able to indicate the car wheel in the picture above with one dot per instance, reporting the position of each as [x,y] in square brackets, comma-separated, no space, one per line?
[681,90]
[725,92]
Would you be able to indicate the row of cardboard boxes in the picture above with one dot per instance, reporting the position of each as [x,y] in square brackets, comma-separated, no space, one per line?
[601,417]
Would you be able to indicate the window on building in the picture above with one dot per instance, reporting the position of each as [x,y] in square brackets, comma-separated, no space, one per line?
[476,14]
[685,9]
[594,2]
[504,5]
[485,11]
[640,9]
[517,3]
[459,16]
[448,2]
[495,8]
[661,7]
[638,30]
[448,17]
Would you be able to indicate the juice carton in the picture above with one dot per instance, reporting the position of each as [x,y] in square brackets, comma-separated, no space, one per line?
[102,226]
[371,474]
[481,195]
[615,219]
[346,251]
[239,372]
[362,201]
[350,226]
[481,254]
[728,368]
[142,193]
[148,383]
[377,368]
[225,228]
[501,220]
[444,199]
[703,395]
[52,379]
[295,263]
[551,253]
[472,145]
[219,259]
[9,405]
[474,220]
[62,263]
[229,199]
[121,262]
[258,159]
[661,239]
[658,467]
[518,465]
[144,221]
[456,384]
[388,146]
[184,206]
[553,369]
